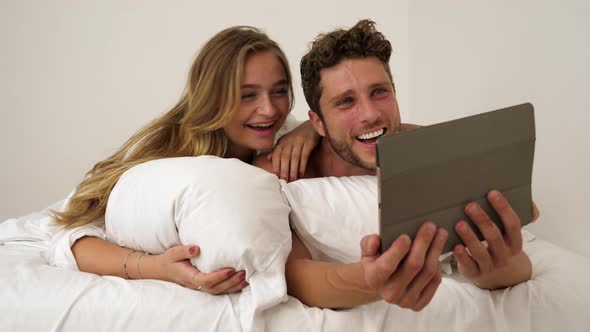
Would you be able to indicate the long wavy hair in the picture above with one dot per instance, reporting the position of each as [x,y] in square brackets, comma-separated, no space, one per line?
[193,127]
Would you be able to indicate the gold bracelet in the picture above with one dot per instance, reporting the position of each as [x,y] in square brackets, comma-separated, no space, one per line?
[139,260]
[125,264]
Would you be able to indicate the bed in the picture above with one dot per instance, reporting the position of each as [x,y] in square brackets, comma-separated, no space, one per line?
[36,296]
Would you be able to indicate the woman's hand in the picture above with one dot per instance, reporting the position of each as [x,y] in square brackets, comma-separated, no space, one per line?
[291,153]
[174,266]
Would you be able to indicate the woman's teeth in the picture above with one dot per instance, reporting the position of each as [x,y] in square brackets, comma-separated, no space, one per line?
[260,126]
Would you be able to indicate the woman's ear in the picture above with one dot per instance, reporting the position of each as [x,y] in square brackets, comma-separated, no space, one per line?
[316,122]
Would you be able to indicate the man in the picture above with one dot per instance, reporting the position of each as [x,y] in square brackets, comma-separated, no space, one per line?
[348,85]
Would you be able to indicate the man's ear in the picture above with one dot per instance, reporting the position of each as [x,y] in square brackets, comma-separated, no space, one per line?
[316,122]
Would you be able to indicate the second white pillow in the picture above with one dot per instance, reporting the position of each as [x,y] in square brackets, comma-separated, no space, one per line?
[331,215]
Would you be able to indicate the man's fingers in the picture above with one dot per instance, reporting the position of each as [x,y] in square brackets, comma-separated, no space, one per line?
[415,259]
[491,233]
[536,213]
[428,292]
[509,218]
[386,264]
[478,251]
[429,271]
[467,266]
[370,245]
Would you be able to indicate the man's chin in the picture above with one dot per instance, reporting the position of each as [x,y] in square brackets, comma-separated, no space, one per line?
[367,162]
[368,159]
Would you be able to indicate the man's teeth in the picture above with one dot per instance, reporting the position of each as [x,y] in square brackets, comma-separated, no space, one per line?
[373,134]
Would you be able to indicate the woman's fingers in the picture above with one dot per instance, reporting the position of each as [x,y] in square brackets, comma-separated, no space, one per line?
[206,281]
[232,284]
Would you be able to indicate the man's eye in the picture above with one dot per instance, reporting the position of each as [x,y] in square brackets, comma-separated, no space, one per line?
[378,91]
[344,101]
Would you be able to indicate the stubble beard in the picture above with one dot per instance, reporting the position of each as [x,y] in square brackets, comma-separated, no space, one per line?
[345,152]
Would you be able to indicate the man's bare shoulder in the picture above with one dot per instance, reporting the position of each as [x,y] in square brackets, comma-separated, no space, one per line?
[262,161]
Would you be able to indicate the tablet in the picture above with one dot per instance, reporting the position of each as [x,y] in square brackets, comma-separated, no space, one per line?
[431,173]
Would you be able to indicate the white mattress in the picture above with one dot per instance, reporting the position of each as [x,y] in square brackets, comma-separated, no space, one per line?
[38,297]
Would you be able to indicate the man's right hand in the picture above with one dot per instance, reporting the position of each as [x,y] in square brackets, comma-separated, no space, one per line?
[408,273]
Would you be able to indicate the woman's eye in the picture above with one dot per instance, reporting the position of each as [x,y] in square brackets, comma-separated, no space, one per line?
[280,92]
[249,96]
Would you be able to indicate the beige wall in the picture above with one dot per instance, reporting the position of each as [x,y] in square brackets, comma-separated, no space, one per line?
[468,57]
[79,77]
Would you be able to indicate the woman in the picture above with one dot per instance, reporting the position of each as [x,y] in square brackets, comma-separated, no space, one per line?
[238,95]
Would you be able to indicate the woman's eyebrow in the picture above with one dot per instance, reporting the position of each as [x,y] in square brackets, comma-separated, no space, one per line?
[258,86]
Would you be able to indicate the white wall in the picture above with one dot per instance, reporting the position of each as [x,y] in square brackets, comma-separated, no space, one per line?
[468,57]
[79,77]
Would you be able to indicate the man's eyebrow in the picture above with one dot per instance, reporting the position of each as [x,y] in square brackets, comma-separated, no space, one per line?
[340,95]
[257,86]
[380,84]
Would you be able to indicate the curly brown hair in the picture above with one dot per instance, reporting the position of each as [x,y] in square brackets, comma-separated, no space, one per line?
[327,50]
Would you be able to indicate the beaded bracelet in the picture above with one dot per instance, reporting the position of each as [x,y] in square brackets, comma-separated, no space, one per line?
[125,264]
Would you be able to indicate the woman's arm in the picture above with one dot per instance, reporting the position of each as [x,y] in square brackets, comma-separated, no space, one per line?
[102,257]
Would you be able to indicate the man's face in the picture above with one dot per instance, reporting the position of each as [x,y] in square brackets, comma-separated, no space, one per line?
[358,105]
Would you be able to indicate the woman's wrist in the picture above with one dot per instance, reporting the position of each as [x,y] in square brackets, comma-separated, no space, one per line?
[141,265]
[151,268]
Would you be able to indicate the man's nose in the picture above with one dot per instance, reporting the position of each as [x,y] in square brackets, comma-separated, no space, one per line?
[367,111]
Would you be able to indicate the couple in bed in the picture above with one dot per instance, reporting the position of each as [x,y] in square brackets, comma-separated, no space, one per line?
[237,97]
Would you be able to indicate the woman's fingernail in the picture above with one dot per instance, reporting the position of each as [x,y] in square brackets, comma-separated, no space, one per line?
[231,273]
[192,250]
[245,283]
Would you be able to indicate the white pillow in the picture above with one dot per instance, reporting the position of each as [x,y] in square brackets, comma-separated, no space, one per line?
[234,211]
[331,215]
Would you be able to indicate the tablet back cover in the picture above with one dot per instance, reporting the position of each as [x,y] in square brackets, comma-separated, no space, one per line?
[432,172]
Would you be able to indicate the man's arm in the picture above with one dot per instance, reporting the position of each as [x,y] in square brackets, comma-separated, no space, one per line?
[407,274]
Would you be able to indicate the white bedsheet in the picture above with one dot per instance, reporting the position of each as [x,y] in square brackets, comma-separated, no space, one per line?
[38,297]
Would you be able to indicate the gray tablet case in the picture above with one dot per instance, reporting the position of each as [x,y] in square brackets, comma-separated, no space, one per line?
[432,172]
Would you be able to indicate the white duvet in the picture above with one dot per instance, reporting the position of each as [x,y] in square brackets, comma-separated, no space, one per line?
[38,297]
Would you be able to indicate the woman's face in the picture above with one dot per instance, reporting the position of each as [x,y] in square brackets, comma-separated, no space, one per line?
[263,108]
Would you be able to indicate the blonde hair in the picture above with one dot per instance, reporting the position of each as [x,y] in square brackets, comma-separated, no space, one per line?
[193,127]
